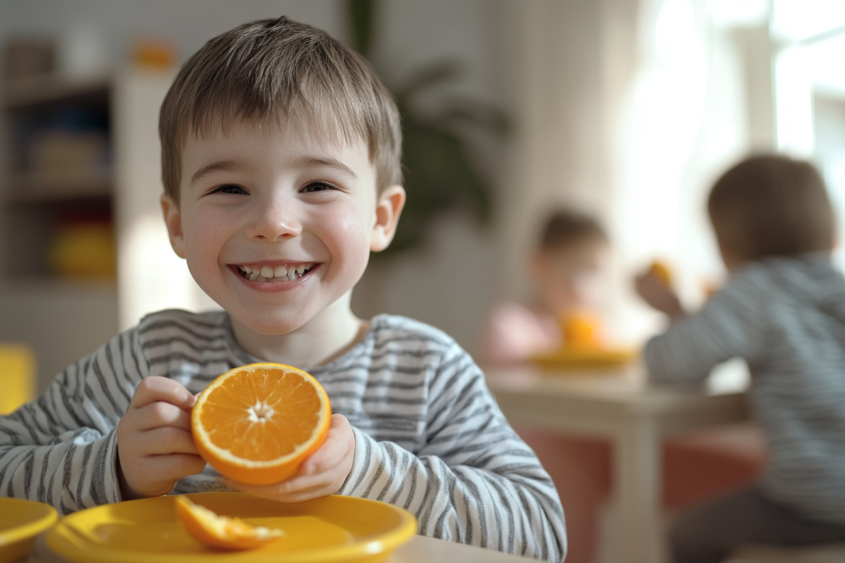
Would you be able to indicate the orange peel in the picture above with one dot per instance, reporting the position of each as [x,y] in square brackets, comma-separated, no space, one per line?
[221,532]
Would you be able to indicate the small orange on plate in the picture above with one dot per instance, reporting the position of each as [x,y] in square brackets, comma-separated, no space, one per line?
[580,330]
[221,532]
[257,423]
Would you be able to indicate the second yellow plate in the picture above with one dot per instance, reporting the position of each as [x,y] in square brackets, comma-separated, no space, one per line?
[20,522]
[329,529]
[575,358]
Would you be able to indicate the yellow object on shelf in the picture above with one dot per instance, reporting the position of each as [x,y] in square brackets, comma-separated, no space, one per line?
[328,529]
[17,376]
[20,523]
[85,251]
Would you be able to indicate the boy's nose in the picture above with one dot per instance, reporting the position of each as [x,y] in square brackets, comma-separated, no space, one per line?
[274,223]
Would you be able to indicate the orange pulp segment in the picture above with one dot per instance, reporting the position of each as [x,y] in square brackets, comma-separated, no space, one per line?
[257,423]
[221,532]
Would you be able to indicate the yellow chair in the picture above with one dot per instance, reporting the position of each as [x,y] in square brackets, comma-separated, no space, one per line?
[17,376]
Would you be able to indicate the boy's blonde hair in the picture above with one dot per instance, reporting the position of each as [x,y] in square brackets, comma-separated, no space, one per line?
[280,69]
[771,205]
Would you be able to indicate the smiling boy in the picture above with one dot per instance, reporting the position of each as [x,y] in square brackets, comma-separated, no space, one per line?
[281,166]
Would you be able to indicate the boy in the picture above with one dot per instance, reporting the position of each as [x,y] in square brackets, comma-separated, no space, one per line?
[566,272]
[783,311]
[281,166]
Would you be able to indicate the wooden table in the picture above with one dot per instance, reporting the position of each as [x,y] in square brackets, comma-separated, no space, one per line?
[419,550]
[620,406]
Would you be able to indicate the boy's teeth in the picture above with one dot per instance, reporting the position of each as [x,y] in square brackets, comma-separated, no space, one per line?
[279,273]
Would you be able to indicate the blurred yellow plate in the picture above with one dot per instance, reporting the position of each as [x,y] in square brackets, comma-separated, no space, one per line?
[20,522]
[328,529]
[584,358]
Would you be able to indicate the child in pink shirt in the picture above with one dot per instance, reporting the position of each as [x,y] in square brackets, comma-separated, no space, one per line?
[566,270]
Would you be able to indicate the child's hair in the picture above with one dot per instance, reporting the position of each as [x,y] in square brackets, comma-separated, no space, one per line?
[566,226]
[771,205]
[281,69]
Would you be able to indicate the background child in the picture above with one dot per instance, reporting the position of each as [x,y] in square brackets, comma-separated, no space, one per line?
[782,309]
[566,269]
[281,167]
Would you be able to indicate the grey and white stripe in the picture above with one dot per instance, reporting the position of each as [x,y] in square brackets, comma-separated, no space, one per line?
[786,317]
[430,437]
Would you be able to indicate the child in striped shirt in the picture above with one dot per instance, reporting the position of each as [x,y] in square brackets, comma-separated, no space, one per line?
[782,309]
[281,166]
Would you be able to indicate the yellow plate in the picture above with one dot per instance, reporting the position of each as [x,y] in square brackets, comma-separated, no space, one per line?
[20,522]
[580,358]
[327,529]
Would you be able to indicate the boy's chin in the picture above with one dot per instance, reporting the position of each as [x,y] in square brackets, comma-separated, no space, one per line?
[270,325]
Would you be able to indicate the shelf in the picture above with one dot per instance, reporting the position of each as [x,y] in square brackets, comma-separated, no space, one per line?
[50,284]
[34,90]
[57,185]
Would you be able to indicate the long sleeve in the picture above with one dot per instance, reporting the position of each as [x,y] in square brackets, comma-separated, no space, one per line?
[473,480]
[731,324]
[61,449]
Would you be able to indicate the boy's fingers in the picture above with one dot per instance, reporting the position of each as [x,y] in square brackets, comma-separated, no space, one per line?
[156,388]
[160,414]
[163,441]
[291,490]
[166,470]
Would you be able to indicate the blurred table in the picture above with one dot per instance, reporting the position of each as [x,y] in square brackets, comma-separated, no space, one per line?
[635,416]
[419,550]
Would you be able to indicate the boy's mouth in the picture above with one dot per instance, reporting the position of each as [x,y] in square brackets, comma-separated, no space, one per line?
[288,272]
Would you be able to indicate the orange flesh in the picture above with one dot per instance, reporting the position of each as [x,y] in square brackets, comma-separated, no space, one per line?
[262,430]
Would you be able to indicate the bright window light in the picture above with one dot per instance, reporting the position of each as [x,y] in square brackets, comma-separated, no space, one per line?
[738,13]
[794,20]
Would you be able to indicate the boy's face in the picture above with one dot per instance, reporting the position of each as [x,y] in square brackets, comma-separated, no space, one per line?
[276,224]
[569,279]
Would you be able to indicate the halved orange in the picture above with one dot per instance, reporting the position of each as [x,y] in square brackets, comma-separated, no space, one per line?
[257,423]
[221,532]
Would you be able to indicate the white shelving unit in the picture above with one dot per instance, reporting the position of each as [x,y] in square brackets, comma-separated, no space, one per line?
[64,319]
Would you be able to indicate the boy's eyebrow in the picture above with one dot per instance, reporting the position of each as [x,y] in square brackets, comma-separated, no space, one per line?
[311,161]
[217,166]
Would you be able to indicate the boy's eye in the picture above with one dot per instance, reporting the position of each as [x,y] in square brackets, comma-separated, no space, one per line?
[229,189]
[317,187]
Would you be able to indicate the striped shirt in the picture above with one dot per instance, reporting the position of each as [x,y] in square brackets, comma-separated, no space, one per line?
[430,438]
[786,318]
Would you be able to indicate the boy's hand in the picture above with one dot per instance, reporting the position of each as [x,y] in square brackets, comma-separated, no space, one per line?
[321,474]
[154,443]
[656,293]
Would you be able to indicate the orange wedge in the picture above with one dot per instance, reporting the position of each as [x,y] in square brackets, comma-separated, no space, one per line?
[221,532]
[257,423]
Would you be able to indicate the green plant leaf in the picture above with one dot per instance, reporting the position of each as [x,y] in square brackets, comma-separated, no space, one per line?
[361,21]
[439,175]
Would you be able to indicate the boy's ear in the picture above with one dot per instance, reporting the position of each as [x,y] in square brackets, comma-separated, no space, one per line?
[173,220]
[388,208]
